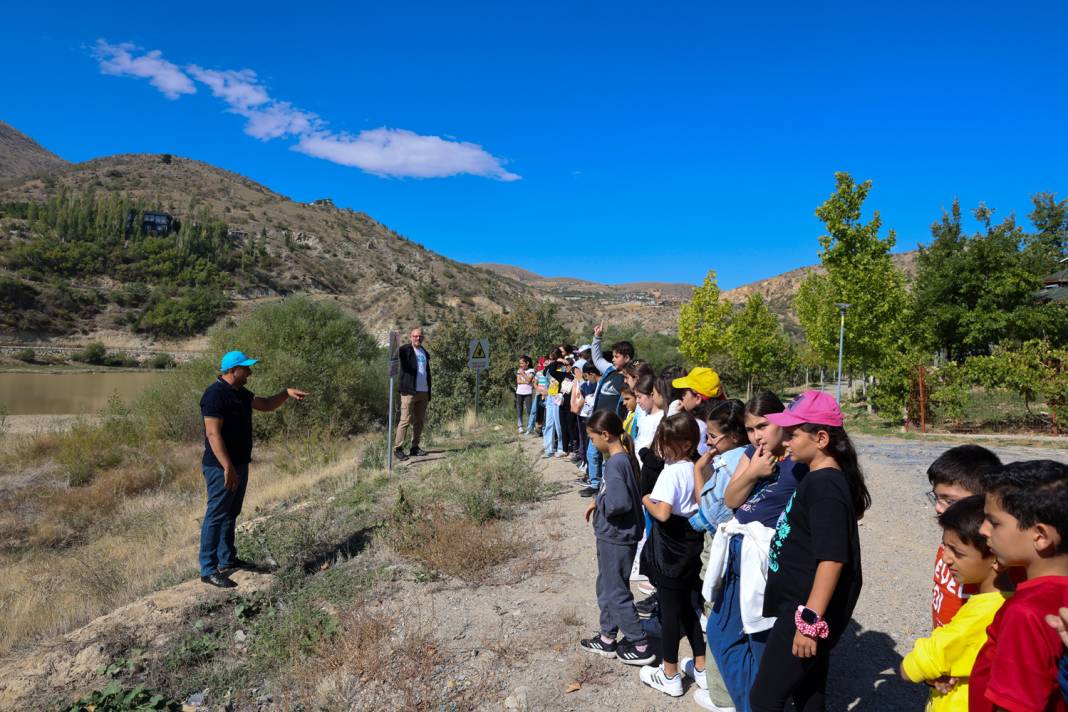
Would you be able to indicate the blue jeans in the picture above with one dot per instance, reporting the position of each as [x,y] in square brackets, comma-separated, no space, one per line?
[552,426]
[593,465]
[533,413]
[220,520]
[737,653]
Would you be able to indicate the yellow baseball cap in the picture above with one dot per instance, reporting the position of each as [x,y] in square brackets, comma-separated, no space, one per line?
[702,381]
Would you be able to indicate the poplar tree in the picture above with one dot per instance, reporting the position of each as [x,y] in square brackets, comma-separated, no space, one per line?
[703,323]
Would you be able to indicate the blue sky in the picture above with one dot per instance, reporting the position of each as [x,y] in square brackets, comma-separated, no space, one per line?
[614,141]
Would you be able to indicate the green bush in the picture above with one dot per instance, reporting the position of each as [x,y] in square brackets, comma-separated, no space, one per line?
[116,698]
[94,353]
[300,343]
[162,360]
[26,355]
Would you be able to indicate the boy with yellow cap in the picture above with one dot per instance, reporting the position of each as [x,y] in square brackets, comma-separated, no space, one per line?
[696,387]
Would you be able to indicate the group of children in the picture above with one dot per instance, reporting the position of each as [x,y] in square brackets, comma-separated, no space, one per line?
[741,520]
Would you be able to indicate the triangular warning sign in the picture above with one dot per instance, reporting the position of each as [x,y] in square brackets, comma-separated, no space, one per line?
[479,351]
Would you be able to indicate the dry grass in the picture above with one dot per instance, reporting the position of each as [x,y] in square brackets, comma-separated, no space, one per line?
[69,554]
[454,545]
[381,659]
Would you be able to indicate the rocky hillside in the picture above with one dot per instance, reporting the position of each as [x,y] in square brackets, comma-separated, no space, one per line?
[21,156]
[320,249]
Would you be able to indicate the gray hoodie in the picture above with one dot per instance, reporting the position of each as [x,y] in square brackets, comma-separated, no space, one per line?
[618,517]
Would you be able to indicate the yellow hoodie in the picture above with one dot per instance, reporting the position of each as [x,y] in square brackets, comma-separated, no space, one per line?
[951,650]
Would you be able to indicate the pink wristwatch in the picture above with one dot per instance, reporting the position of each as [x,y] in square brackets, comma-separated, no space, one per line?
[811,623]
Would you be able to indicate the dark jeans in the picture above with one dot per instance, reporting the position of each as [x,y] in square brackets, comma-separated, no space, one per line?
[568,427]
[782,676]
[522,407]
[583,438]
[220,520]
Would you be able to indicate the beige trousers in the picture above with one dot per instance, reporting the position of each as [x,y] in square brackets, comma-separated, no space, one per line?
[412,415]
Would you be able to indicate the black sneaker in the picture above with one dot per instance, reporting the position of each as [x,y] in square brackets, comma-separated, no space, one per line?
[417,451]
[219,580]
[630,655]
[238,564]
[598,646]
[399,454]
[589,492]
[648,608]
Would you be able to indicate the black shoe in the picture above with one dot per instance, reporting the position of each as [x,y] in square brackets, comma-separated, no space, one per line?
[242,565]
[417,451]
[219,580]
[589,492]
[648,608]
[598,646]
[630,655]
[399,454]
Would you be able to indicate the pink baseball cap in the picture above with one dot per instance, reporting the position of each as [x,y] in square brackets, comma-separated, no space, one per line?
[814,407]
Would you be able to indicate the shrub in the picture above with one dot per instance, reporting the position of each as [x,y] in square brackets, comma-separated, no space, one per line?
[94,353]
[162,360]
[26,355]
[116,698]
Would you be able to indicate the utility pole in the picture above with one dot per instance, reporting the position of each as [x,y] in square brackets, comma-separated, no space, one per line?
[841,345]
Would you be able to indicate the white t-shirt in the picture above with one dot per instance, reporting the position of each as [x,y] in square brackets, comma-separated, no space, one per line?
[675,486]
[421,385]
[647,430]
[524,389]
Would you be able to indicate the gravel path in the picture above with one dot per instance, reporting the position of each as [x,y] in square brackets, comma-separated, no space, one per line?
[898,536]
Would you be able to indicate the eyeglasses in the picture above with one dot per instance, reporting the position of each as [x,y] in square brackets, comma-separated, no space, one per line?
[935,499]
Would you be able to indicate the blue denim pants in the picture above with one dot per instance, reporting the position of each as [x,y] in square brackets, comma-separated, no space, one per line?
[737,653]
[552,427]
[220,519]
[533,413]
[593,465]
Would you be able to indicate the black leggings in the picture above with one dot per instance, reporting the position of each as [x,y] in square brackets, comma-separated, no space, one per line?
[568,427]
[678,617]
[782,676]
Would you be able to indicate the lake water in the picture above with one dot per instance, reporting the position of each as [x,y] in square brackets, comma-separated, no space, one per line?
[42,393]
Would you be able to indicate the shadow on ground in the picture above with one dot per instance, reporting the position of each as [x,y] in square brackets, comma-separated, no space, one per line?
[864,675]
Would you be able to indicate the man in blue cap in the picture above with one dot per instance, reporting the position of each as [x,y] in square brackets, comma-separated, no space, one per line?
[227,409]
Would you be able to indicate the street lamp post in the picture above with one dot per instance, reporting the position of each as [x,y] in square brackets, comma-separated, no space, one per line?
[841,344]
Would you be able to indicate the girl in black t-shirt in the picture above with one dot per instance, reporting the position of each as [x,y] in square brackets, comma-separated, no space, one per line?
[814,572]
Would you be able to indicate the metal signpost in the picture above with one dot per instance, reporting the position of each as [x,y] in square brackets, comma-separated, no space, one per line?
[394,370]
[478,359]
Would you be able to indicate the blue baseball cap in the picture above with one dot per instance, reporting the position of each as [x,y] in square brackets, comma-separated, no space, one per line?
[235,358]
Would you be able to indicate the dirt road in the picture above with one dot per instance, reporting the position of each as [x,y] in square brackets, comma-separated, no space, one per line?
[899,537]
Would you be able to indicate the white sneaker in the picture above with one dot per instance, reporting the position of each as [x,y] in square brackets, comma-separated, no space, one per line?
[705,702]
[655,678]
[690,671]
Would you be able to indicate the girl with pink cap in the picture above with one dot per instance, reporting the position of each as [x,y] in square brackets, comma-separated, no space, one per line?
[814,572]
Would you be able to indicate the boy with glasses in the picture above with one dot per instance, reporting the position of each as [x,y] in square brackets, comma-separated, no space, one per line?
[955,475]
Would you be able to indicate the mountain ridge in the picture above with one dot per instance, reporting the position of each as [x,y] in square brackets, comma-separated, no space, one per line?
[22,156]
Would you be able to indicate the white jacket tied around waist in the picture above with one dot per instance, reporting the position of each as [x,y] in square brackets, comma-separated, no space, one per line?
[753,568]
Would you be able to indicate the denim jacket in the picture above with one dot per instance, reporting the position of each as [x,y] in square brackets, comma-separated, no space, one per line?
[713,511]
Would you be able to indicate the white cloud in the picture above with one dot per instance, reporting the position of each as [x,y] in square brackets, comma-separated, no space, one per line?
[382,151]
[165,76]
[397,152]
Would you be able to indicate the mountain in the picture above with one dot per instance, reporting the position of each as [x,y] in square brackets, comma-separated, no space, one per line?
[21,156]
[317,248]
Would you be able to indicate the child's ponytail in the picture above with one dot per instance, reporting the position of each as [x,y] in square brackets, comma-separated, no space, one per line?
[606,421]
[841,449]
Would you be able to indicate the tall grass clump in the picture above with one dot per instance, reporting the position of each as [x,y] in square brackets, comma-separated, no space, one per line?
[300,343]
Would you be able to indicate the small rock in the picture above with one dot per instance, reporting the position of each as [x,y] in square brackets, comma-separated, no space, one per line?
[197,699]
[240,636]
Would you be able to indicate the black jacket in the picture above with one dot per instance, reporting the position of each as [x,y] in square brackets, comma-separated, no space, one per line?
[409,369]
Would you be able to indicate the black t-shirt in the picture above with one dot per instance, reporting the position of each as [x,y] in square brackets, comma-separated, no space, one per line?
[234,406]
[819,524]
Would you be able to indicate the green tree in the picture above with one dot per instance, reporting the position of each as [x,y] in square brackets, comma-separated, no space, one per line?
[757,343]
[859,272]
[703,323]
[972,292]
[1044,249]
